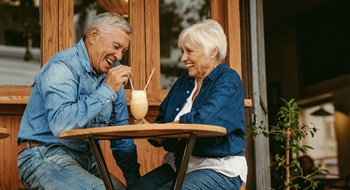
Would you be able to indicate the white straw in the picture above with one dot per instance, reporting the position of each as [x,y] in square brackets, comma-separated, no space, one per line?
[149,79]
[132,86]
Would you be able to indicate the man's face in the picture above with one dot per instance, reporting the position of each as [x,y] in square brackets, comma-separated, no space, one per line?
[107,47]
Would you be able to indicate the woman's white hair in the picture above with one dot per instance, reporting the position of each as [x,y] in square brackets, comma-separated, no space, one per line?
[107,19]
[209,35]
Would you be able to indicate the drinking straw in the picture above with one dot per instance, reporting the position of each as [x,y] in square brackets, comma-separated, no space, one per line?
[132,86]
[149,79]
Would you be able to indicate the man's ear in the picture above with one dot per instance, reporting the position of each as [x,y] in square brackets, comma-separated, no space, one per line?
[93,34]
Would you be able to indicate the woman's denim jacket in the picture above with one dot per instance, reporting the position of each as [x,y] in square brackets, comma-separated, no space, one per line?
[220,102]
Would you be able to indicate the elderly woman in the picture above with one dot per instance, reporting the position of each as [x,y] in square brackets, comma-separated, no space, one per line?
[209,92]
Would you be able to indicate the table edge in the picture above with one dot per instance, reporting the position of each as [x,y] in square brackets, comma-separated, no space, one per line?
[182,129]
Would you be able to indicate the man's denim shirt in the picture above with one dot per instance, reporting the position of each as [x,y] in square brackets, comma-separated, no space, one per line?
[67,93]
[219,102]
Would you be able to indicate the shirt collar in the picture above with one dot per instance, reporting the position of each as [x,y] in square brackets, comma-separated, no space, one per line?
[217,71]
[82,52]
[214,74]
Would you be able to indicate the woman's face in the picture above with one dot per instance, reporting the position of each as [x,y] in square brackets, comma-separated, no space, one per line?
[107,47]
[198,64]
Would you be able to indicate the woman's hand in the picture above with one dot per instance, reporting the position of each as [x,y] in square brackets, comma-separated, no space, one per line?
[143,121]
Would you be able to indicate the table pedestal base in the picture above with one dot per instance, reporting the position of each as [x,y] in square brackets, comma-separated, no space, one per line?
[180,172]
[96,149]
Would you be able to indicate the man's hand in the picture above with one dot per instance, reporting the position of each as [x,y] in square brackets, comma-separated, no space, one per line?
[117,76]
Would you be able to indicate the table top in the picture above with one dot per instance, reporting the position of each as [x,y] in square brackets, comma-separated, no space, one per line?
[168,130]
[4,132]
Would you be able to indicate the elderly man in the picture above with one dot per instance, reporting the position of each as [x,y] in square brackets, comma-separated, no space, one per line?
[78,88]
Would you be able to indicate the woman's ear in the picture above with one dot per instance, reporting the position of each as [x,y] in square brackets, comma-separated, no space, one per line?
[214,53]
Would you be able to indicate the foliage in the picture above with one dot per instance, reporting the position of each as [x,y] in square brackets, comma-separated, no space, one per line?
[289,132]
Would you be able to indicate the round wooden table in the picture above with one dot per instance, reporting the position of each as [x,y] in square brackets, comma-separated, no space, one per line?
[166,130]
[4,132]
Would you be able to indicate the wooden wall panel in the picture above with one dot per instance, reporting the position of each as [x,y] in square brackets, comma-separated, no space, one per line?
[66,24]
[137,43]
[49,29]
[8,154]
[57,27]
[233,29]
[14,94]
[217,11]
[152,49]
[226,12]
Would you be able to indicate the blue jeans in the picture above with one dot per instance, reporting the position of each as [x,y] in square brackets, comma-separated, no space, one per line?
[162,179]
[58,167]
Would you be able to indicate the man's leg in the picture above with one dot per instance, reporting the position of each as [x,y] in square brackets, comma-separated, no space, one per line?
[54,168]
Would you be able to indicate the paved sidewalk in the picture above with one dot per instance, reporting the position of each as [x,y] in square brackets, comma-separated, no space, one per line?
[14,70]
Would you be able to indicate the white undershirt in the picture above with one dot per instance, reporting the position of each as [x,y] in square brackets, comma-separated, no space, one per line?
[231,166]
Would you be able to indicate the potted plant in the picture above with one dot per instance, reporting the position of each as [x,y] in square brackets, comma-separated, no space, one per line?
[289,132]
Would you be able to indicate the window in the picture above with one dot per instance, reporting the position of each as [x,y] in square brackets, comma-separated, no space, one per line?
[324,143]
[174,16]
[19,42]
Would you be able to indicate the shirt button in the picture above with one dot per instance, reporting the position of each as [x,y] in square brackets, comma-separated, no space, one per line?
[107,101]
[188,92]
[177,109]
